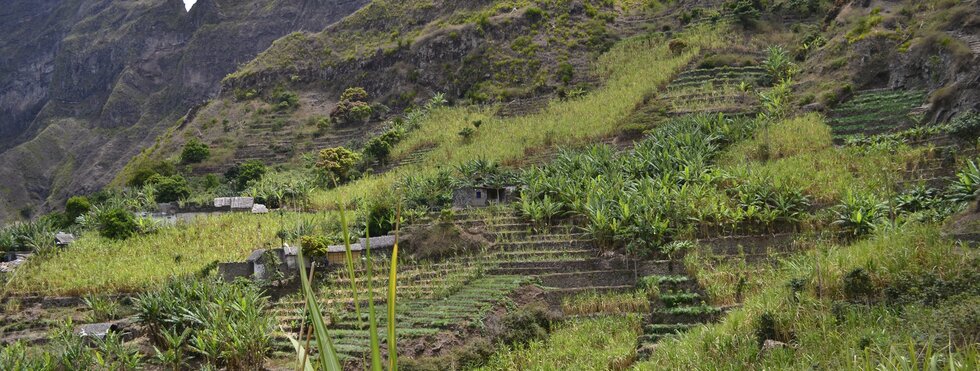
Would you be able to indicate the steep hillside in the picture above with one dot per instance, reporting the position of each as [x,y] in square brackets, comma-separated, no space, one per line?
[401,53]
[87,84]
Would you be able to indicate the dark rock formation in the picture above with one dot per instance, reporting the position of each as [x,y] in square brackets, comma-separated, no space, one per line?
[86,84]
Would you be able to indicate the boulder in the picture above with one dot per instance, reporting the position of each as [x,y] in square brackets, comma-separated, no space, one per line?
[259,209]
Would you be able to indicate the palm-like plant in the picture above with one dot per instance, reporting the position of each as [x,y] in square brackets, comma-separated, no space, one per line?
[967,183]
[858,214]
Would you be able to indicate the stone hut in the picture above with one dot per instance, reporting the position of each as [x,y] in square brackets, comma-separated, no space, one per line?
[262,264]
[482,196]
[62,239]
[235,203]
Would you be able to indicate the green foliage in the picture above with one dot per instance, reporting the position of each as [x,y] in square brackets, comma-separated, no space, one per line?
[534,14]
[102,309]
[69,351]
[746,12]
[965,126]
[590,344]
[117,224]
[245,94]
[378,148]
[146,170]
[352,107]
[664,186]
[858,214]
[194,151]
[862,28]
[284,100]
[967,184]
[242,174]
[169,189]
[37,235]
[566,72]
[427,192]
[778,64]
[354,94]
[225,324]
[77,206]
[336,163]
[315,246]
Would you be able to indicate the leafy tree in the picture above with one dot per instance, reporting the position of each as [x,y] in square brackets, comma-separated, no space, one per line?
[353,107]
[117,224]
[170,189]
[379,147]
[337,162]
[249,171]
[194,152]
[354,94]
[147,170]
[75,207]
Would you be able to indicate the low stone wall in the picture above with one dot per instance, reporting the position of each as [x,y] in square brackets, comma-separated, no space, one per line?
[234,270]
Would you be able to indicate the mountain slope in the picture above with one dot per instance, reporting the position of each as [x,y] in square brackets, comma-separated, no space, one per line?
[87,84]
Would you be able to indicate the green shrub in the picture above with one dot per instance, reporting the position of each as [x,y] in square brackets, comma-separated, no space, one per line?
[224,324]
[858,214]
[146,170]
[169,189]
[526,325]
[75,207]
[965,126]
[315,246]
[194,152]
[101,309]
[117,224]
[967,184]
[284,100]
[336,163]
[566,72]
[534,14]
[379,147]
[243,174]
[354,94]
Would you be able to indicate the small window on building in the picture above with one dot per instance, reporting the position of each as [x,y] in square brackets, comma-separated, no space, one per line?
[479,194]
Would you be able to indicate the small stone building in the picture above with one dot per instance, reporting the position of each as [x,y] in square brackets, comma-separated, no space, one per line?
[235,203]
[63,239]
[469,197]
[262,264]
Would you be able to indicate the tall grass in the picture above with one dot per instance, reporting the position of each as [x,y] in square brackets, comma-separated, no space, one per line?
[604,343]
[99,265]
[808,304]
[802,155]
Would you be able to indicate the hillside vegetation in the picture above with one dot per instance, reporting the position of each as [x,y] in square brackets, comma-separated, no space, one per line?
[695,185]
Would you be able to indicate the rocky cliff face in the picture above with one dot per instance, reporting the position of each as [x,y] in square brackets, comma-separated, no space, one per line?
[87,84]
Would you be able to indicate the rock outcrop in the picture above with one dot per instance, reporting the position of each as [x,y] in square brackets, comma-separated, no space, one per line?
[87,84]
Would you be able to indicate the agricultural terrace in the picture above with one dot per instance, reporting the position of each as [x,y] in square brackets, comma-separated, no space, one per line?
[877,111]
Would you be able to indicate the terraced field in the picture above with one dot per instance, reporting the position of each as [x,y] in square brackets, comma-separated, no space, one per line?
[440,301]
[275,139]
[714,90]
[876,111]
